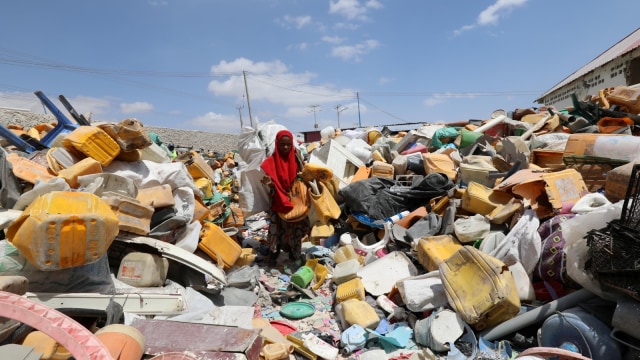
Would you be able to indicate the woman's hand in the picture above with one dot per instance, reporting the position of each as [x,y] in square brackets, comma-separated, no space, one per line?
[266,180]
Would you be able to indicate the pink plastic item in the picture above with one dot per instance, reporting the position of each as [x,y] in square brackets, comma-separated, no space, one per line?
[80,342]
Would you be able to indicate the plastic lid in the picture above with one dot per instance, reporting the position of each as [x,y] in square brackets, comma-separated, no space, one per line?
[297,310]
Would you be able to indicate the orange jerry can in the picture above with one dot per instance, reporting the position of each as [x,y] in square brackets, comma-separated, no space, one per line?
[216,243]
[92,142]
[64,229]
[479,287]
[433,250]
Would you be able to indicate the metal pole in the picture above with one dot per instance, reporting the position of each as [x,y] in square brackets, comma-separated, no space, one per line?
[359,122]
[315,122]
[340,109]
[240,113]
[246,89]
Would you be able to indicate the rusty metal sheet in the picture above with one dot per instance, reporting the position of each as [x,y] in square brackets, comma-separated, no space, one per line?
[162,336]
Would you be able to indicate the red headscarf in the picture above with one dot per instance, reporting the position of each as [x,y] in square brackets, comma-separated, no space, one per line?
[282,169]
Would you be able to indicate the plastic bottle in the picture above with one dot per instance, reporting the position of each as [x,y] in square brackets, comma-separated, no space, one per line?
[354,338]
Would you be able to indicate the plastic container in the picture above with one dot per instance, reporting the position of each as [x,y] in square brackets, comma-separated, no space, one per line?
[93,142]
[579,331]
[124,342]
[132,216]
[28,170]
[157,196]
[46,346]
[346,271]
[345,253]
[480,199]
[196,165]
[352,289]
[129,134]
[206,186]
[434,250]
[319,347]
[218,245]
[155,153]
[303,276]
[86,166]
[143,270]
[352,339]
[276,351]
[479,288]
[359,312]
[63,229]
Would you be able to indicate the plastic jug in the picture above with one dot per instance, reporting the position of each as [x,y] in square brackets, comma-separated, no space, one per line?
[64,229]
[276,351]
[93,142]
[143,270]
[346,271]
[352,339]
[359,312]
[345,253]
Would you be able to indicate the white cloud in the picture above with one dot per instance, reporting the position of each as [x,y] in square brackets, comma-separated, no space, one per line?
[354,52]
[437,99]
[271,82]
[333,39]
[157,2]
[492,14]
[353,9]
[136,107]
[218,123]
[384,80]
[297,22]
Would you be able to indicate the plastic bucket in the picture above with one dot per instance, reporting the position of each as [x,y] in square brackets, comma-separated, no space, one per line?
[303,276]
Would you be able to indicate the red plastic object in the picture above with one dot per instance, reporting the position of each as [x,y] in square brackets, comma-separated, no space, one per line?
[283,327]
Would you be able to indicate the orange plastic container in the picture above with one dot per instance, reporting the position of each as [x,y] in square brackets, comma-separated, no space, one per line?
[93,142]
[46,346]
[345,253]
[433,250]
[29,170]
[206,186]
[124,342]
[479,287]
[129,134]
[85,166]
[157,196]
[352,289]
[276,351]
[359,312]
[216,243]
[196,165]
[63,229]
[133,216]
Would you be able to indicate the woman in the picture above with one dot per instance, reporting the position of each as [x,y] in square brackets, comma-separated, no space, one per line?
[281,169]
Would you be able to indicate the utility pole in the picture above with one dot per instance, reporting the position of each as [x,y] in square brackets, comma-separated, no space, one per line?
[240,113]
[359,122]
[246,89]
[313,108]
[339,108]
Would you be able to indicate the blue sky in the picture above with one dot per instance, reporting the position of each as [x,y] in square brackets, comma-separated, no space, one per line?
[183,63]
